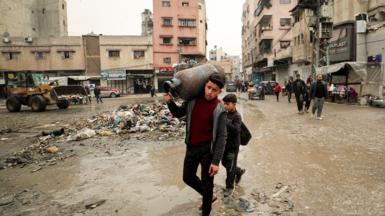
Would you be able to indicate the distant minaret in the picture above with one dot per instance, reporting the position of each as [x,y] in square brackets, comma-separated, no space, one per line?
[147,24]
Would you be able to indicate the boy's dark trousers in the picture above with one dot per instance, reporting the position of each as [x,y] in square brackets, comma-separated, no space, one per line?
[196,155]
[277,94]
[229,160]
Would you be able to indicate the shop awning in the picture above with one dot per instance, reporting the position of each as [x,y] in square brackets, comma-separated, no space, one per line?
[359,68]
[83,78]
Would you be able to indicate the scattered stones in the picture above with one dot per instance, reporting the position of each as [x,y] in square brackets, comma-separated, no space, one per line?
[52,149]
[6,200]
[95,204]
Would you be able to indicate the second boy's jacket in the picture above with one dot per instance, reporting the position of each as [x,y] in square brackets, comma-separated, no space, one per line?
[219,127]
[233,124]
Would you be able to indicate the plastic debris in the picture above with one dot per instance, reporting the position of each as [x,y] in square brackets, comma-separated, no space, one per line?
[138,118]
[82,134]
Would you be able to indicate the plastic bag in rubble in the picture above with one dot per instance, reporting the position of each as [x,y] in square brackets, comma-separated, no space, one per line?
[85,133]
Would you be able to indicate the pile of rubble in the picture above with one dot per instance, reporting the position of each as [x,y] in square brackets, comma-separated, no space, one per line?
[277,202]
[139,118]
[146,122]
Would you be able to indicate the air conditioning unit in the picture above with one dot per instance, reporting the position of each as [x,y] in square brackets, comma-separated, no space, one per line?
[6,40]
[29,39]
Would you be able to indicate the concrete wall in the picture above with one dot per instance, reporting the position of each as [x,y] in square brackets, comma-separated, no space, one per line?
[126,45]
[53,51]
[345,10]
[35,18]
[302,51]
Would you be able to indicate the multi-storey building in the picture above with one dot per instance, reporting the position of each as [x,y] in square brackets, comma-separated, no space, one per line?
[217,54]
[267,38]
[33,18]
[147,23]
[356,49]
[179,35]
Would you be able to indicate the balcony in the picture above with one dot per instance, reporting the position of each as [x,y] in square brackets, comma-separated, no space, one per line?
[265,27]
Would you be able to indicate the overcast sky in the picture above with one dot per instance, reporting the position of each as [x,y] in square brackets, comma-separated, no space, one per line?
[123,17]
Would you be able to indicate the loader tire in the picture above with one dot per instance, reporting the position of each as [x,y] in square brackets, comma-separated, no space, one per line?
[13,104]
[63,104]
[38,103]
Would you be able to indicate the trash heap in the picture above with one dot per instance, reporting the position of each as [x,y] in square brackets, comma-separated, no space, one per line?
[139,118]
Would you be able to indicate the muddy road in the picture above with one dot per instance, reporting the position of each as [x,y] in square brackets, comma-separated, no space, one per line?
[295,165]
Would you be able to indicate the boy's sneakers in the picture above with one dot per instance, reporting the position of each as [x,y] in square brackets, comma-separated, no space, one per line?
[228,192]
[238,176]
[319,118]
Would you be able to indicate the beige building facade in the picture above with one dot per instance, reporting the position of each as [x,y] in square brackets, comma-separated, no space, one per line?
[33,18]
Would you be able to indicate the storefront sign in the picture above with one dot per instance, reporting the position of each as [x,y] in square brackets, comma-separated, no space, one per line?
[113,74]
[342,45]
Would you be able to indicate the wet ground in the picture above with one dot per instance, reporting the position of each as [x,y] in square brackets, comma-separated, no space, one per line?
[329,167]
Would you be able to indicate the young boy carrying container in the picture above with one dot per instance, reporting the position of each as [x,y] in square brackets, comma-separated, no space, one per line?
[229,160]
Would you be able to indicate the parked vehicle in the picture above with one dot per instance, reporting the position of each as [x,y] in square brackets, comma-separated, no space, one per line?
[231,87]
[255,92]
[107,91]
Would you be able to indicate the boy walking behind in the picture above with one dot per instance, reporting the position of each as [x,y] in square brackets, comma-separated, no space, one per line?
[205,137]
[230,157]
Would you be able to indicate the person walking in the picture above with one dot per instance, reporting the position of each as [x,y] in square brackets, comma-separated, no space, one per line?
[299,89]
[230,157]
[205,137]
[88,92]
[307,97]
[152,91]
[318,92]
[97,94]
[277,90]
[289,90]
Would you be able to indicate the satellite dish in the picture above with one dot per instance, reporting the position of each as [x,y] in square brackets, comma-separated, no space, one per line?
[6,34]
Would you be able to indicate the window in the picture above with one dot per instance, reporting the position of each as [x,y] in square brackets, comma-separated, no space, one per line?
[166,40]
[187,41]
[167,21]
[167,60]
[187,22]
[43,11]
[185,4]
[11,55]
[64,23]
[285,1]
[284,22]
[138,54]
[199,7]
[39,55]
[114,53]
[66,55]
[62,6]
[166,4]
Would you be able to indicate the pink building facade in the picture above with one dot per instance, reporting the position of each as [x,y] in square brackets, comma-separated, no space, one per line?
[179,34]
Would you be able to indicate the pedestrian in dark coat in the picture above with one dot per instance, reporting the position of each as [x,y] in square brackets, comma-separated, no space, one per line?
[318,92]
[299,89]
